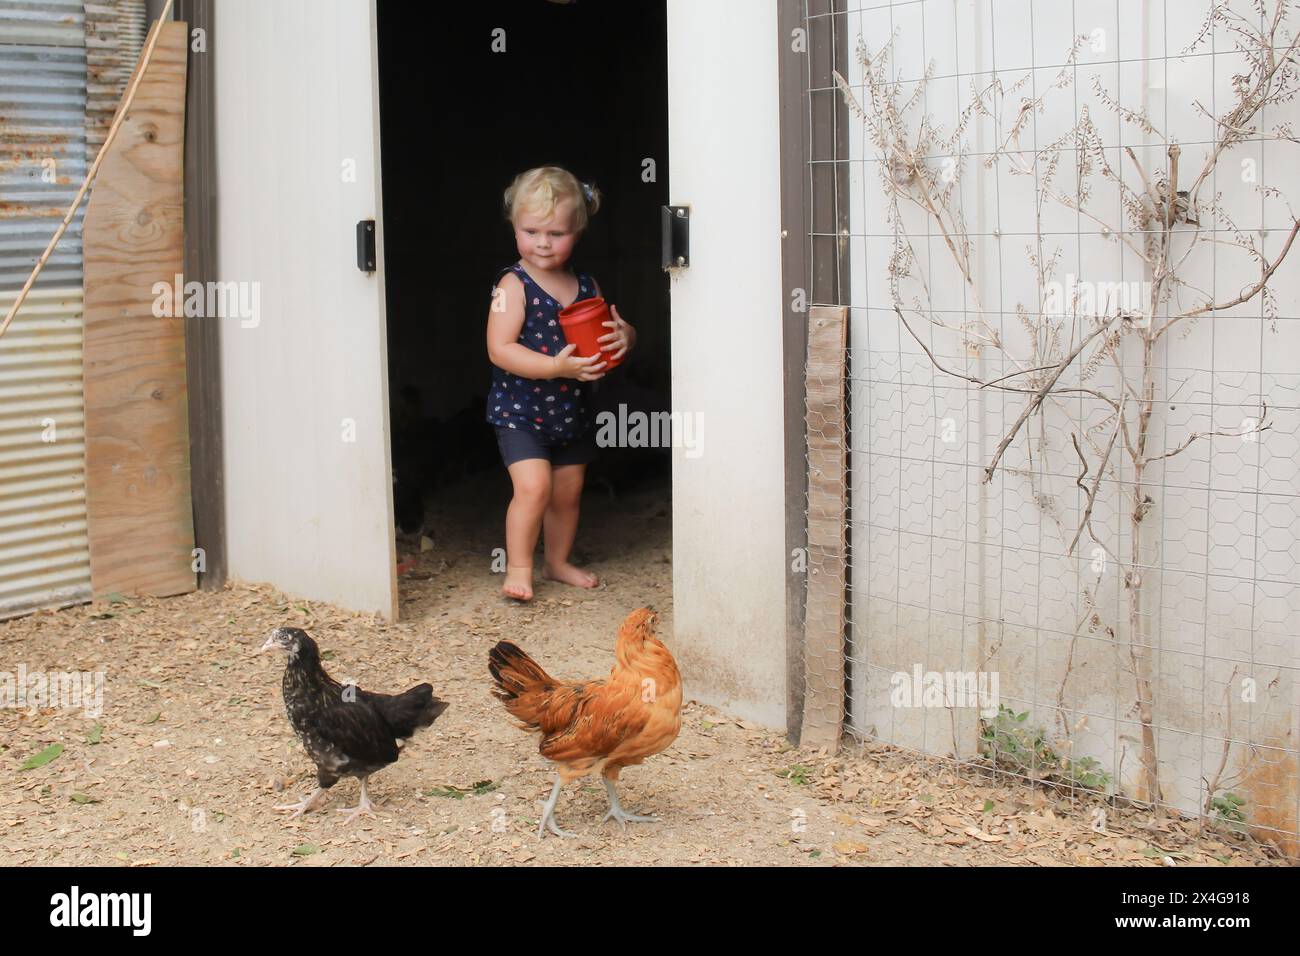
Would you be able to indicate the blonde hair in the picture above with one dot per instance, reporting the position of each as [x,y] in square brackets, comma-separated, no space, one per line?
[541,189]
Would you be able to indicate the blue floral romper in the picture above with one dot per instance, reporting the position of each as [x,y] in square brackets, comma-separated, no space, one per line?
[552,411]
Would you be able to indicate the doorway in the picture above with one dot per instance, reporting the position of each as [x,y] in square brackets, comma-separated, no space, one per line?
[466,104]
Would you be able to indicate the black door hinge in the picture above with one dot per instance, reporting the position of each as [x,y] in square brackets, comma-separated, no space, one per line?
[366,245]
[676,222]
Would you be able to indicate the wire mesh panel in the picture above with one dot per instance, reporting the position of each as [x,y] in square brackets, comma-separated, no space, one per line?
[1074,352]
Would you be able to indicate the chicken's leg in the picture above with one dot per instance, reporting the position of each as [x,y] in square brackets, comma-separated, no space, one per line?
[617,812]
[548,813]
[310,802]
[365,806]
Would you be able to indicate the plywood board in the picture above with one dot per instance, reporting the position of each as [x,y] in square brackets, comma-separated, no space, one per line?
[140,521]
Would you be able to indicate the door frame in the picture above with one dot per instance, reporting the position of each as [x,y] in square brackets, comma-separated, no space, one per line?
[814,192]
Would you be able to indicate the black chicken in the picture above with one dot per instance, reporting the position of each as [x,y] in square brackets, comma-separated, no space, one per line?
[347,731]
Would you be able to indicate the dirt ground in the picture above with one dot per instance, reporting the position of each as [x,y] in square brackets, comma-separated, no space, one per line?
[193,748]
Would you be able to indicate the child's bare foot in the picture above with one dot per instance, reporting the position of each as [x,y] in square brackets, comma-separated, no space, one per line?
[565,572]
[519,583]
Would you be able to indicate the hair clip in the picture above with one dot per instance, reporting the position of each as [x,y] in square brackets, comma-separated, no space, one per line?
[586,191]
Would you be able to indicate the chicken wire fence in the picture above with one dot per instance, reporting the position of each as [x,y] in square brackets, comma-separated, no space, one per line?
[1053,454]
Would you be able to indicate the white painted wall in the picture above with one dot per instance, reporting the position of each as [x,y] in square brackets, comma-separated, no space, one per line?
[729,502]
[942,560]
[296,100]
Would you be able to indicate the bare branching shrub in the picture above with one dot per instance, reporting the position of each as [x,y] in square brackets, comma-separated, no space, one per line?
[1111,351]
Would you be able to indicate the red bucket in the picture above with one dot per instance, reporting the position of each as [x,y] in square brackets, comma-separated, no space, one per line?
[583,323]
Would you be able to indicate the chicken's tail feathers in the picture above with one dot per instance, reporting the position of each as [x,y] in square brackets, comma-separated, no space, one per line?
[407,712]
[521,684]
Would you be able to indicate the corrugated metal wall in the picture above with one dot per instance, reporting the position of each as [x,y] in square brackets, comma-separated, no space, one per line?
[42,22]
[115,32]
[42,138]
[44,154]
[44,556]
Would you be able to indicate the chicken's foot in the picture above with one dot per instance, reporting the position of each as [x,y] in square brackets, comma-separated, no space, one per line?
[364,807]
[548,814]
[617,812]
[310,802]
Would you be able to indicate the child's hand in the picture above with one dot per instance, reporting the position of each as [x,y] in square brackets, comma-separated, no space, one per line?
[622,338]
[568,365]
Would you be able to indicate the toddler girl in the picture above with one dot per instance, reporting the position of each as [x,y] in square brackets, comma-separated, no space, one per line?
[538,401]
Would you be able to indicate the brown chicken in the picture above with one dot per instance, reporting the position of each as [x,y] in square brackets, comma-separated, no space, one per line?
[600,725]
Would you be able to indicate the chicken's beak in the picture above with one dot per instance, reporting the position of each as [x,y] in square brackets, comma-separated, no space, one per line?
[270,645]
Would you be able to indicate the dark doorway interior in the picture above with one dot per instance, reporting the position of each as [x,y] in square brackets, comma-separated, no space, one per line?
[582,85]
